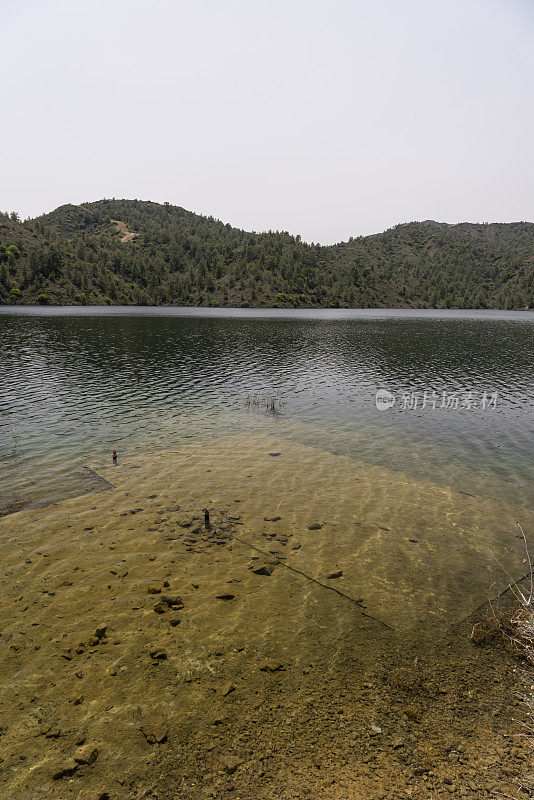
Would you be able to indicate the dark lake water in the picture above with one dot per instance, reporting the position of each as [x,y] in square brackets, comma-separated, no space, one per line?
[76,383]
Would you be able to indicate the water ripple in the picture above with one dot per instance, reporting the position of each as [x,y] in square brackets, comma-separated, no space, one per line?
[75,385]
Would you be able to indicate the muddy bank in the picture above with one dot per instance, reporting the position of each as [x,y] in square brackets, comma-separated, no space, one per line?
[284,652]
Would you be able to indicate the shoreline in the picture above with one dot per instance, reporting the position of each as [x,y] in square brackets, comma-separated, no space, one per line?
[280,310]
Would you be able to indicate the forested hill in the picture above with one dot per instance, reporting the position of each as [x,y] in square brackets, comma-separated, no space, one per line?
[132,252]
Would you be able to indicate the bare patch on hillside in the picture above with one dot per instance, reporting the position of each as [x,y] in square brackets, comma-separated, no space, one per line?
[127,235]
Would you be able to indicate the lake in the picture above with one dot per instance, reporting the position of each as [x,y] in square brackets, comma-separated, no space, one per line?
[77,383]
[364,472]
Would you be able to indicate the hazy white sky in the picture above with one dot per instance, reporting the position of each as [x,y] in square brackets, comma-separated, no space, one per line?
[327,119]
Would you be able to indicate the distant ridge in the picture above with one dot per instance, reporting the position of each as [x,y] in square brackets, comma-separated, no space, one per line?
[136,252]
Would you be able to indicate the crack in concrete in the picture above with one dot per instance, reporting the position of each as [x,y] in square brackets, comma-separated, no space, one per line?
[314,580]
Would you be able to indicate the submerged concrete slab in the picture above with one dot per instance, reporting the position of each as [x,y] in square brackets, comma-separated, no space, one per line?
[410,551]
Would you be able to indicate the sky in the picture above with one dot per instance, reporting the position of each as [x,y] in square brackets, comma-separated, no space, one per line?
[325,119]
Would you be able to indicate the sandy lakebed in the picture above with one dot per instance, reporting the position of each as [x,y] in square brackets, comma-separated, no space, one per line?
[314,643]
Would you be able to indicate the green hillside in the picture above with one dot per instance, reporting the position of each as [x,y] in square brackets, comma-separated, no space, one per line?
[132,252]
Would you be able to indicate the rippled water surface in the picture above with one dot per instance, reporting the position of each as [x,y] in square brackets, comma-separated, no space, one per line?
[77,383]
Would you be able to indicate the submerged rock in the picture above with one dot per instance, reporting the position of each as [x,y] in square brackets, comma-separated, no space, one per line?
[262,568]
[155,731]
[412,713]
[231,763]
[272,665]
[101,631]
[173,601]
[375,730]
[87,755]
[66,770]
[50,732]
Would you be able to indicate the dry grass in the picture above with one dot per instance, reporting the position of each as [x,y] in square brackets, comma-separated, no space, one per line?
[272,402]
[518,630]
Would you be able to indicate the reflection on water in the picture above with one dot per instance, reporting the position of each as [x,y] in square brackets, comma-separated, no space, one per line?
[76,383]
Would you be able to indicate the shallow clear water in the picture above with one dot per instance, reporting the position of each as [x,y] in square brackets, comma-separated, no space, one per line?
[76,383]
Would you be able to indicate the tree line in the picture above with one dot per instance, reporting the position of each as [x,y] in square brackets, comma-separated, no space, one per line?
[74,255]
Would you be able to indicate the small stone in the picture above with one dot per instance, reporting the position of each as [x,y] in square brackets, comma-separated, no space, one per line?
[315,526]
[153,590]
[174,621]
[225,596]
[51,733]
[66,770]
[173,601]
[87,755]
[375,729]
[412,713]
[336,574]
[272,519]
[228,689]
[230,764]
[275,454]
[161,608]
[271,665]
[158,654]
[262,568]
[155,731]
[101,631]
